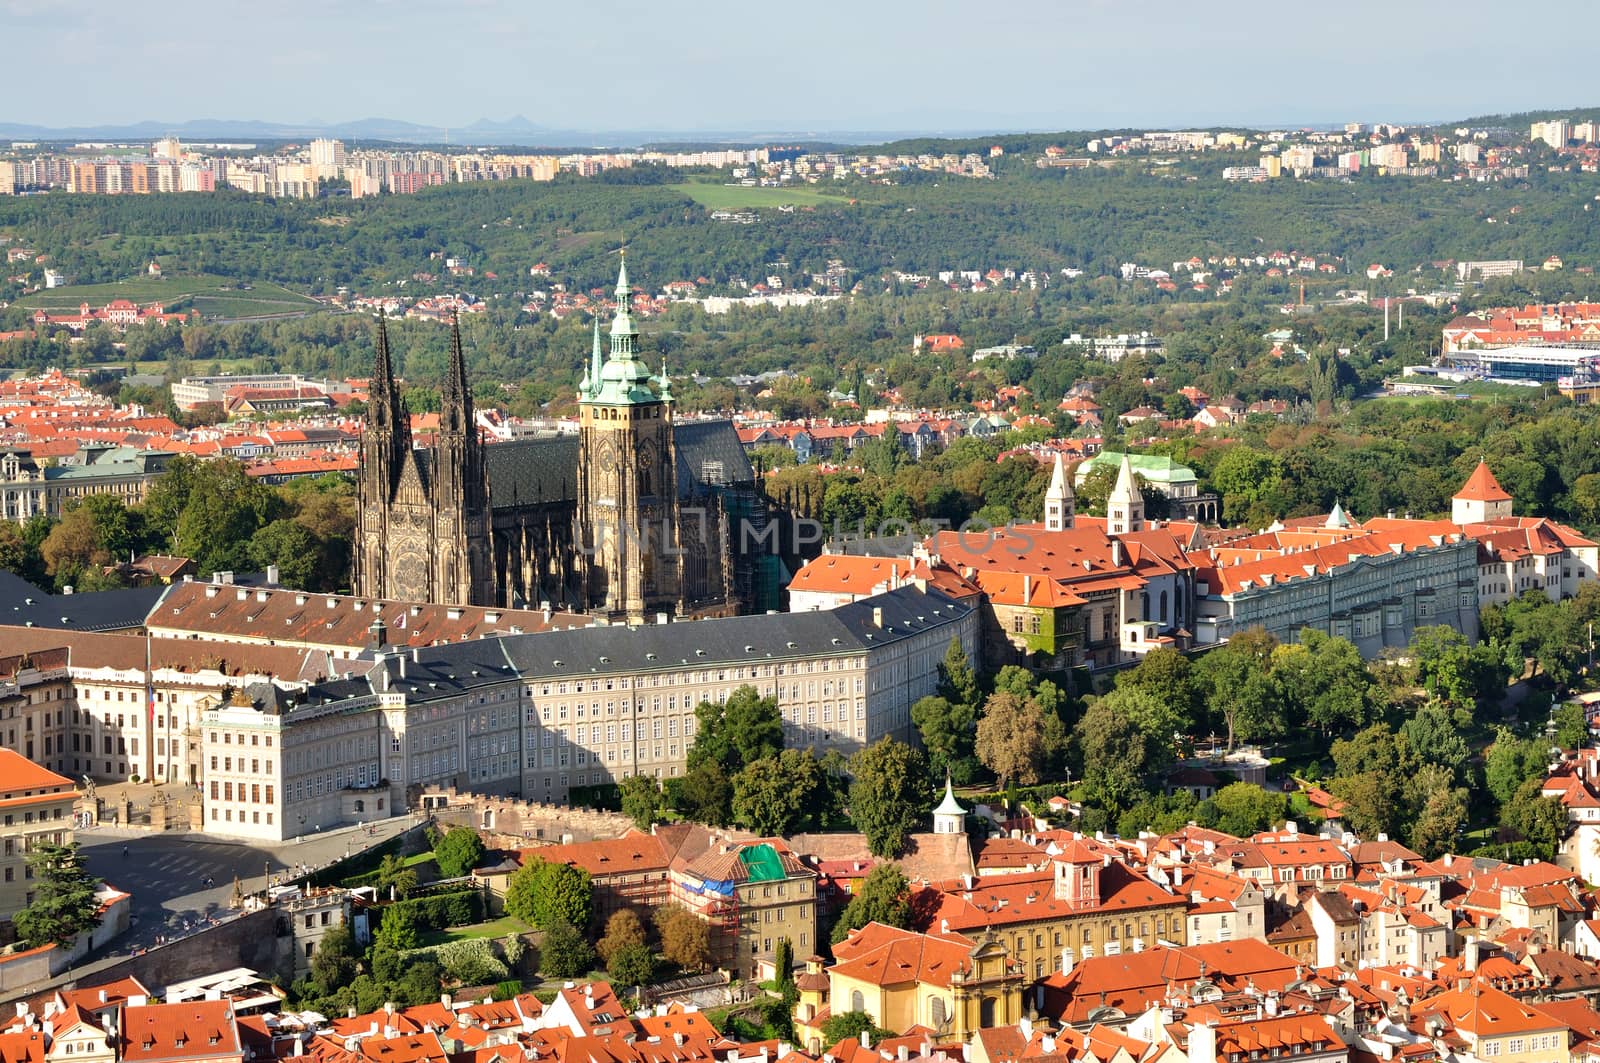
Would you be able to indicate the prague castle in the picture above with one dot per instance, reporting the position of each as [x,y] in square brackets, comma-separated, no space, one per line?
[637,517]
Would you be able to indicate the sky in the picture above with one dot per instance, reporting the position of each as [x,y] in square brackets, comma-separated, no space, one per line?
[718,65]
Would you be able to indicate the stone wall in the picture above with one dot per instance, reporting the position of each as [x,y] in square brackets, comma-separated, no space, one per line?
[21,972]
[510,824]
[253,940]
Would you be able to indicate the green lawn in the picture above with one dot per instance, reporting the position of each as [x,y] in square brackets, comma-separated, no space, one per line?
[213,296]
[419,858]
[737,197]
[495,928]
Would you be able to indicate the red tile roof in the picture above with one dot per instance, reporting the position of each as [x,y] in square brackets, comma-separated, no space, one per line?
[1481,486]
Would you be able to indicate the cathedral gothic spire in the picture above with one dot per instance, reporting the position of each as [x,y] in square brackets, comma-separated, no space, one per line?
[388,430]
[455,411]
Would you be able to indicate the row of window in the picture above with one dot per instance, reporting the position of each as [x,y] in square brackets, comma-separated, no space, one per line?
[255,792]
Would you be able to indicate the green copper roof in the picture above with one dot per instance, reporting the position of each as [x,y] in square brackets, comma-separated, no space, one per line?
[1157,468]
[624,379]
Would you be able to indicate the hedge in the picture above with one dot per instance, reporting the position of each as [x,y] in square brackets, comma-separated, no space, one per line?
[441,910]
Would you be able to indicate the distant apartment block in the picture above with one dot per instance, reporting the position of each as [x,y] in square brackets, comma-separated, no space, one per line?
[1116,348]
[198,390]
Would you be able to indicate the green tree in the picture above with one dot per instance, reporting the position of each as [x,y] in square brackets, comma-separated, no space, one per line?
[1432,736]
[64,903]
[641,800]
[947,731]
[334,961]
[1512,761]
[1454,671]
[1244,477]
[736,732]
[782,795]
[398,930]
[563,953]
[958,683]
[889,796]
[1168,676]
[223,510]
[1543,821]
[1117,756]
[543,894]
[1443,814]
[1572,727]
[1324,683]
[706,794]
[884,897]
[1372,772]
[849,1026]
[632,965]
[288,545]
[1244,808]
[1017,739]
[393,876]
[1239,689]
[458,852]
[783,961]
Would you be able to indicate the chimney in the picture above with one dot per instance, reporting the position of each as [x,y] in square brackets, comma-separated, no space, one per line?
[877,616]
[1066,961]
[901,1054]
[272,575]
[866,1041]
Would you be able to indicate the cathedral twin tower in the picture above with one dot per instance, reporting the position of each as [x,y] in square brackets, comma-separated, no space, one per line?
[595,528]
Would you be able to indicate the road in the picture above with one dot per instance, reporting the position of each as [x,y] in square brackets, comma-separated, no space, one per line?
[166,874]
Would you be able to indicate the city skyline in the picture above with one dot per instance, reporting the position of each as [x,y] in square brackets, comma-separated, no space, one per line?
[1084,65]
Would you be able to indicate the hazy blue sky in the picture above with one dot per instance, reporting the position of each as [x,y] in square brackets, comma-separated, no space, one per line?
[716,64]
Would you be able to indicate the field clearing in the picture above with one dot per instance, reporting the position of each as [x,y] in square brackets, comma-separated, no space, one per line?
[738,197]
[212,296]
[505,926]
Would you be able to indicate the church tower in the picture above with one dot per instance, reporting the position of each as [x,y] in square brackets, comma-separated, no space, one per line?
[385,448]
[1125,505]
[461,564]
[1480,499]
[1059,501]
[627,486]
[423,514]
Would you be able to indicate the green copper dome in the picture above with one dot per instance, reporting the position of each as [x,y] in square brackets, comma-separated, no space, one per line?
[624,379]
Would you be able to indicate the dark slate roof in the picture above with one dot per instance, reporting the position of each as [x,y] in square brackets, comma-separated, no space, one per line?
[732,641]
[701,447]
[24,604]
[530,472]
[544,469]
[452,669]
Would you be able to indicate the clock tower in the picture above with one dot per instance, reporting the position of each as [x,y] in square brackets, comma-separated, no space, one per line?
[628,541]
